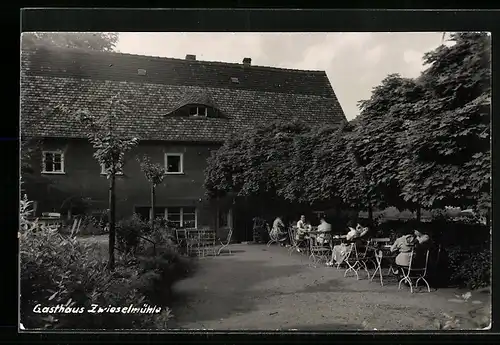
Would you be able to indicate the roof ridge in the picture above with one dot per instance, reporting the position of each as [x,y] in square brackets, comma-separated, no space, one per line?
[163,58]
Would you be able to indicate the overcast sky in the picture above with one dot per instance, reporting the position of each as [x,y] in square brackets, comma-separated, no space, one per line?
[354,62]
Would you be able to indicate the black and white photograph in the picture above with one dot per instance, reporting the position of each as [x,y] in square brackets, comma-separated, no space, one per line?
[290,181]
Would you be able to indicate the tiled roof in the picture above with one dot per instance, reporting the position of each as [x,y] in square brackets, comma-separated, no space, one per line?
[75,80]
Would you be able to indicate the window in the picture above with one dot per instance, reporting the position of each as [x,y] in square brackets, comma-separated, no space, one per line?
[189,217]
[144,212]
[118,172]
[198,111]
[174,215]
[53,162]
[184,217]
[173,163]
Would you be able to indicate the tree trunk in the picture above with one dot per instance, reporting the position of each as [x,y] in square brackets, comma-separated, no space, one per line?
[112,232]
[488,217]
[370,213]
[419,213]
[152,218]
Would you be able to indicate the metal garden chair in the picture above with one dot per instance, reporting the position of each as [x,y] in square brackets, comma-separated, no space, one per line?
[207,243]
[227,242]
[274,237]
[414,274]
[318,252]
[181,239]
[294,243]
[353,261]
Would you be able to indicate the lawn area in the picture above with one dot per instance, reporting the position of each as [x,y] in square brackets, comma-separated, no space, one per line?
[260,287]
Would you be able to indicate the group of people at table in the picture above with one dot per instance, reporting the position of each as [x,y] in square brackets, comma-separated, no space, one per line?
[402,247]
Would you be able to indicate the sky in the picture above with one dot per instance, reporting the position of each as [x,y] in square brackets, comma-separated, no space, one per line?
[354,62]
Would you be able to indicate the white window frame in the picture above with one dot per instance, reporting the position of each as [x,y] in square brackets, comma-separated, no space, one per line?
[182,215]
[198,113]
[103,171]
[59,152]
[181,163]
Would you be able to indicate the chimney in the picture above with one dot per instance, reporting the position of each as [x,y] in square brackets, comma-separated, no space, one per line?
[247,61]
[190,57]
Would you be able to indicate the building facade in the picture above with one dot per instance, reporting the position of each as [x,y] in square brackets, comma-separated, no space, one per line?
[181,110]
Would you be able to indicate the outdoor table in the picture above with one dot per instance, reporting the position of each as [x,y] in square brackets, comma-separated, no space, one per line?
[381,252]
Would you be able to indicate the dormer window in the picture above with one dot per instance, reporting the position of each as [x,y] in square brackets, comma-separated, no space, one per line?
[198,111]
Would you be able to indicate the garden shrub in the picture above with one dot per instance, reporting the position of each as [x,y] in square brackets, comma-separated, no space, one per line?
[61,270]
[165,268]
[470,267]
[128,232]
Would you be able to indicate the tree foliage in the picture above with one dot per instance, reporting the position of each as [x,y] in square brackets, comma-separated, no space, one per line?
[101,41]
[422,142]
[449,143]
[110,146]
[292,161]
[154,172]
[380,134]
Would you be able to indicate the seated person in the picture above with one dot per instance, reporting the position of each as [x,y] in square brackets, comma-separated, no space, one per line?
[405,244]
[302,229]
[339,252]
[278,231]
[357,232]
[324,229]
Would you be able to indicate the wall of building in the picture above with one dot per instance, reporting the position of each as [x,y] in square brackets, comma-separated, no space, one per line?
[82,177]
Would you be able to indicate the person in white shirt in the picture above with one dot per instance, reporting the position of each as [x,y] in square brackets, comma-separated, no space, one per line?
[324,228]
[301,228]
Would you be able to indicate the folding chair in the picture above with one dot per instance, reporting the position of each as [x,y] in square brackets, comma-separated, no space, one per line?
[207,243]
[294,244]
[180,239]
[318,252]
[228,241]
[192,239]
[410,273]
[353,261]
[273,235]
[367,256]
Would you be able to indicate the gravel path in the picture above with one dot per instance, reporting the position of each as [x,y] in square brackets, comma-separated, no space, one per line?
[259,287]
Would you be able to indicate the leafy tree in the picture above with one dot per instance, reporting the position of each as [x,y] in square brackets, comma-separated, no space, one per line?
[450,140]
[110,147]
[286,162]
[380,135]
[155,174]
[334,177]
[101,41]
[420,142]
[28,148]
[268,161]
